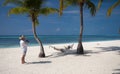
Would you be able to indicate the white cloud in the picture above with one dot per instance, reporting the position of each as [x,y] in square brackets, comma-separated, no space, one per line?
[48,4]
[58,29]
[27,31]
[71,12]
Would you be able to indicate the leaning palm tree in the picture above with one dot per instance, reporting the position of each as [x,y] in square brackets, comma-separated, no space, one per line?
[33,8]
[109,11]
[81,4]
[112,7]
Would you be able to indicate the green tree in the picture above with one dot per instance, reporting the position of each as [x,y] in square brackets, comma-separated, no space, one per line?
[33,8]
[81,4]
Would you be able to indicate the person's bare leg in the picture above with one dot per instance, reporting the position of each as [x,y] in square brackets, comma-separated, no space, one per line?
[23,59]
[58,49]
[55,48]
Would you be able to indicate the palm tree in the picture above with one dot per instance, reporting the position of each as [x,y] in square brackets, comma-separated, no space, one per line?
[81,4]
[33,8]
[109,11]
[112,7]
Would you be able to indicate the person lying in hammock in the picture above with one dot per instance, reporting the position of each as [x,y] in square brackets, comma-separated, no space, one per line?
[63,49]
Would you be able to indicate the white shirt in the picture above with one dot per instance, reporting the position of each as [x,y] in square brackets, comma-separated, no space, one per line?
[23,44]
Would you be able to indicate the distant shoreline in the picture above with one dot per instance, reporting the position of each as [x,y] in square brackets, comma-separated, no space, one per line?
[8,41]
[30,45]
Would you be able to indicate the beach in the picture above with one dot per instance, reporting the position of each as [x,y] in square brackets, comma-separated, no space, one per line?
[101,57]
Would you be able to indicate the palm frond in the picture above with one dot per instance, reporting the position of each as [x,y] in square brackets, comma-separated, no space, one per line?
[47,10]
[61,7]
[112,7]
[91,6]
[33,4]
[18,10]
[72,2]
[99,4]
[36,22]
[64,4]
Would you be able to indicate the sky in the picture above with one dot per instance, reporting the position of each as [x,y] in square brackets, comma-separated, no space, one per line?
[67,24]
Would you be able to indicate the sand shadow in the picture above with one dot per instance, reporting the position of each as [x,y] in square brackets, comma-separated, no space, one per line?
[87,53]
[69,52]
[102,49]
[116,71]
[110,49]
[61,54]
[40,62]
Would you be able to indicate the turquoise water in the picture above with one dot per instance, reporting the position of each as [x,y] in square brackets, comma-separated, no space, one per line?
[13,41]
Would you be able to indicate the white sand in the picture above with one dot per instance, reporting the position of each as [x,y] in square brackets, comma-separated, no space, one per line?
[100,58]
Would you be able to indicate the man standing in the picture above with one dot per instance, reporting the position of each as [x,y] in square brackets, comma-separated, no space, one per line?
[23,45]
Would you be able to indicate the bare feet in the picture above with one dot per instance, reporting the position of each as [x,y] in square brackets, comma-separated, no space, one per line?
[23,62]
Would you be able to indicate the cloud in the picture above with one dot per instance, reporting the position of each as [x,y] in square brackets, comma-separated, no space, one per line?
[48,4]
[72,12]
[27,31]
[58,29]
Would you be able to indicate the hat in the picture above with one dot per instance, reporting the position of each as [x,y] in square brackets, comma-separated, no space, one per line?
[22,37]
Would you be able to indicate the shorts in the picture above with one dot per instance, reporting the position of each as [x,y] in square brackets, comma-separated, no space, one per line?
[24,51]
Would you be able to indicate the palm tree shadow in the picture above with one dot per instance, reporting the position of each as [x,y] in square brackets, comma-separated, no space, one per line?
[103,49]
[109,49]
[69,52]
[87,53]
[116,71]
[61,54]
[40,62]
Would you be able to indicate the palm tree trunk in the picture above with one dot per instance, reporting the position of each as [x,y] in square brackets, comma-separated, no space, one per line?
[41,54]
[80,46]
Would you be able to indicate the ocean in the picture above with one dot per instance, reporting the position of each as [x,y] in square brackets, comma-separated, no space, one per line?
[7,41]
